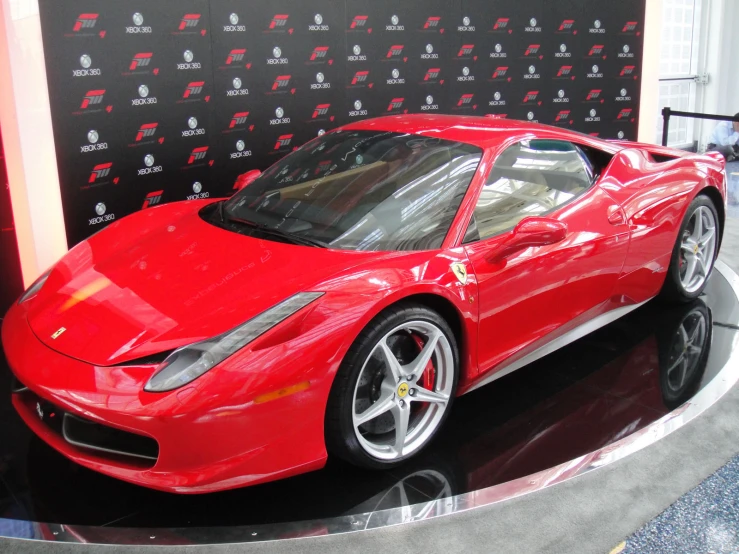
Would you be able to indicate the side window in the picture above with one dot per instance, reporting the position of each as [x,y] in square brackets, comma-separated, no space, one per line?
[529,178]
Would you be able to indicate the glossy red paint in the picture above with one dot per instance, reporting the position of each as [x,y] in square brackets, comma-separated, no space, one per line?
[163,278]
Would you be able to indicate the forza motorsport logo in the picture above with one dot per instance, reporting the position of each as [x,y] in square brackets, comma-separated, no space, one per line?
[319,55]
[563,118]
[465,103]
[152,199]
[501,25]
[193,93]
[197,157]
[395,53]
[501,74]
[432,76]
[532,51]
[189,25]
[238,121]
[320,113]
[92,102]
[531,97]
[596,51]
[282,143]
[100,175]
[278,24]
[595,96]
[359,23]
[433,24]
[395,105]
[86,26]
[567,26]
[281,85]
[360,80]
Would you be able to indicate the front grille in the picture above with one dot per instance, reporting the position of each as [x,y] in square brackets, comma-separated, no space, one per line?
[90,435]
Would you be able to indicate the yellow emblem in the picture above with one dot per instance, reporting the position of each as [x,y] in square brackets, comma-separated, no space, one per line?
[460,270]
[58,333]
[695,249]
[403,390]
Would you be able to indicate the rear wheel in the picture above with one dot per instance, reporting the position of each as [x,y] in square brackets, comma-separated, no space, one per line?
[694,253]
[394,389]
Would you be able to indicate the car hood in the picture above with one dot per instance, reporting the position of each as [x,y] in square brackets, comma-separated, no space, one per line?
[164,278]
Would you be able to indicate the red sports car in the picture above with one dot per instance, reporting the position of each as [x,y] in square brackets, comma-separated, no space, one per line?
[341,300]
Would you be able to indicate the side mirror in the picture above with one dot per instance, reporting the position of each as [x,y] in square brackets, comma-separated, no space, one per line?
[532,231]
[246,179]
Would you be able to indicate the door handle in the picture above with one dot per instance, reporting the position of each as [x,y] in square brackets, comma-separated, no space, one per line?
[616,215]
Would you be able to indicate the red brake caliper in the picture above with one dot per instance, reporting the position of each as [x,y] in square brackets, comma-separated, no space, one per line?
[429,373]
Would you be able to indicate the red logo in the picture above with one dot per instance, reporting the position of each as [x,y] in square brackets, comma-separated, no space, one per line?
[432,23]
[324,165]
[566,25]
[319,52]
[630,26]
[465,99]
[197,154]
[189,21]
[531,96]
[432,73]
[146,131]
[563,115]
[360,77]
[628,70]
[100,171]
[501,24]
[395,104]
[281,81]
[564,71]
[236,55]
[532,50]
[500,72]
[596,50]
[359,21]
[140,60]
[85,21]
[394,50]
[193,89]
[283,141]
[496,115]
[152,199]
[624,113]
[239,118]
[594,94]
[92,98]
[321,109]
[278,21]
[465,50]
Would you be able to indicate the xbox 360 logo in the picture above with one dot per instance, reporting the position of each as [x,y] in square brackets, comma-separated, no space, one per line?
[143,91]
[429,48]
[188,55]
[357,50]
[357,105]
[85,61]
[319,77]
[561,93]
[499,48]
[530,116]
[240,145]
[276,52]
[234,19]
[466,21]
[148,160]
[197,186]
[396,73]
[624,92]
[318,19]
[497,96]
[279,112]
[138,19]
[429,100]
[596,24]
[532,22]
[563,48]
[237,83]
[100,208]
[465,71]
[592,113]
[394,20]
[93,136]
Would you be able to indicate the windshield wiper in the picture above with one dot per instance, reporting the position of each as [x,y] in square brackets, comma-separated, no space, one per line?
[292,237]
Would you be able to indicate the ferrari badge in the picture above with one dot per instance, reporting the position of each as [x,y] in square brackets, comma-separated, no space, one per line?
[460,271]
[58,333]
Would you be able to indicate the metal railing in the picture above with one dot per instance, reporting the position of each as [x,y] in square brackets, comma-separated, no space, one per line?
[667,113]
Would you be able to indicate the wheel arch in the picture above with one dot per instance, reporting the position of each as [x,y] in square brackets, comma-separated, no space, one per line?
[715,196]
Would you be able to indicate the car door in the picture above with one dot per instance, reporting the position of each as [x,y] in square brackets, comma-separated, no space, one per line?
[533,294]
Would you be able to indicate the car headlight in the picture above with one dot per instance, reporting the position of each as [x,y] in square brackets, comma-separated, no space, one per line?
[34,288]
[190,362]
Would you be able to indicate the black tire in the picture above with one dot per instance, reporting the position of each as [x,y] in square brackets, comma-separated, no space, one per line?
[673,290]
[339,431]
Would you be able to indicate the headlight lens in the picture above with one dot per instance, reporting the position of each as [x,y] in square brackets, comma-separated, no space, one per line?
[34,288]
[189,362]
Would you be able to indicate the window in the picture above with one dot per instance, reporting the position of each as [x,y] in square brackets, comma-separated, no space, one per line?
[361,190]
[529,178]
[678,67]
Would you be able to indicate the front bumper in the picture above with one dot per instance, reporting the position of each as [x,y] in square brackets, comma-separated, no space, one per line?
[210,435]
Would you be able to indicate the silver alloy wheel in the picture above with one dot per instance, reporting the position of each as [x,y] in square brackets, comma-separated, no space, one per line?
[687,350]
[401,414]
[698,249]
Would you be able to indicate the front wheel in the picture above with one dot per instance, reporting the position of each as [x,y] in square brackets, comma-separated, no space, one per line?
[394,389]
[694,253]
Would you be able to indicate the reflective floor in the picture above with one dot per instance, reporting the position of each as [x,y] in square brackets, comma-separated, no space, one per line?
[594,392]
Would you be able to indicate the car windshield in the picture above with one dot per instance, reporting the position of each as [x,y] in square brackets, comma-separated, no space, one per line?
[360,190]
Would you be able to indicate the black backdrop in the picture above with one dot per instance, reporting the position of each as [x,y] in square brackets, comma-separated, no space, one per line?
[162,100]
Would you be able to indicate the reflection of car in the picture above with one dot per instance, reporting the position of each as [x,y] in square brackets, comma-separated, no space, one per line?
[342,299]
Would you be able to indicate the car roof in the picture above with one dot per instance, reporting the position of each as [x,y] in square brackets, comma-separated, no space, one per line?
[484,132]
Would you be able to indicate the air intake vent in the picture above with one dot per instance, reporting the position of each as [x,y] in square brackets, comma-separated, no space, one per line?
[88,434]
